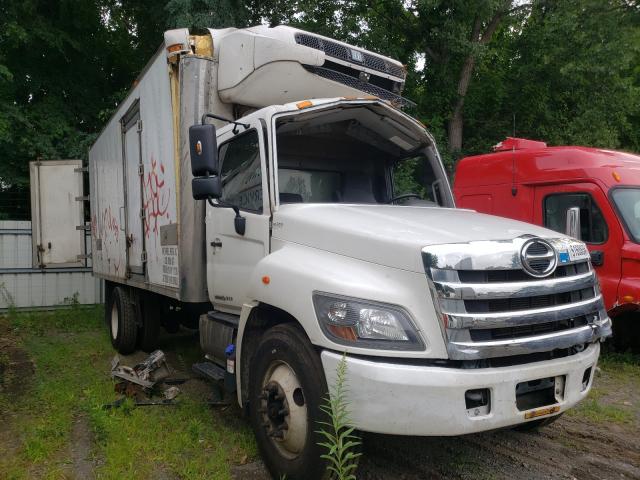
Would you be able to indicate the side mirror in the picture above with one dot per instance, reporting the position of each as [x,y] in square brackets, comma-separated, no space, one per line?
[204,150]
[573,222]
[204,188]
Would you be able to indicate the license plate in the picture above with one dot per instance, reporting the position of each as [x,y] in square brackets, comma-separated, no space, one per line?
[541,412]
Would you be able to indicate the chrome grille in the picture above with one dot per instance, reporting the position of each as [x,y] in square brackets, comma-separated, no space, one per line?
[490,306]
[351,55]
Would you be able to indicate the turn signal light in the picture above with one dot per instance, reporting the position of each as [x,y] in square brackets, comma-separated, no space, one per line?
[628,298]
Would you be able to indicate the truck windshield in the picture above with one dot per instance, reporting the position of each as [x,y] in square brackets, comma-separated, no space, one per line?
[627,201]
[356,154]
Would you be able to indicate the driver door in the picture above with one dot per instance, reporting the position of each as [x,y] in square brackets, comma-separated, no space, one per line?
[244,174]
[600,229]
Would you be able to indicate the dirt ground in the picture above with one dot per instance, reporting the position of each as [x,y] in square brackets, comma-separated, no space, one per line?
[598,440]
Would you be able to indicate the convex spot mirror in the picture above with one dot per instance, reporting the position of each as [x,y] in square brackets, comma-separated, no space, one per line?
[204,188]
[573,228]
[204,150]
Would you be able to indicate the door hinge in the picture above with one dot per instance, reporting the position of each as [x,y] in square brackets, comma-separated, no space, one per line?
[139,125]
[141,169]
[143,257]
[142,215]
[84,198]
[86,228]
[83,257]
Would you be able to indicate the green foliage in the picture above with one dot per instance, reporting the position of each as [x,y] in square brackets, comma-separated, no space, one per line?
[206,13]
[340,442]
[406,178]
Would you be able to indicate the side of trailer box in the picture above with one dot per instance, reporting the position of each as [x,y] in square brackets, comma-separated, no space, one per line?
[134,187]
[144,234]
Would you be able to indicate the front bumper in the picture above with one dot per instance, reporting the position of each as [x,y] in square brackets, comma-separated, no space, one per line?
[401,399]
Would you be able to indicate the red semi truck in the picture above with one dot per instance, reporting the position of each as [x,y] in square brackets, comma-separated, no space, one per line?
[529,181]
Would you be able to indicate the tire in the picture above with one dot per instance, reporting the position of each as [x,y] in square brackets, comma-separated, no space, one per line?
[626,332]
[286,363]
[121,315]
[535,425]
[150,328]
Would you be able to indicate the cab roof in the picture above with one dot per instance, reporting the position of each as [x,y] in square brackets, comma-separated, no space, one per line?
[528,162]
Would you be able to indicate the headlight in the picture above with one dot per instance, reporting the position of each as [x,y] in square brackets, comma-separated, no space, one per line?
[361,323]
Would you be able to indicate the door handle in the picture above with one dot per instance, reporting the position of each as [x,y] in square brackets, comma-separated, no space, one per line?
[121,217]
[217,243]
[597,258]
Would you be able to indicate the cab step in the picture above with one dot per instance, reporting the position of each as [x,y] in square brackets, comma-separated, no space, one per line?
[209,370]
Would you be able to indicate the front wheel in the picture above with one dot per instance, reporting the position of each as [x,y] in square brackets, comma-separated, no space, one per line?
[286,388]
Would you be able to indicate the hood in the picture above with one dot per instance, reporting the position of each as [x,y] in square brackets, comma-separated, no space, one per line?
[391,235]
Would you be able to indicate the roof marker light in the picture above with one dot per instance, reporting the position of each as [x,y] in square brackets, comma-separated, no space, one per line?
[304,104]
[616,176]
[176,47]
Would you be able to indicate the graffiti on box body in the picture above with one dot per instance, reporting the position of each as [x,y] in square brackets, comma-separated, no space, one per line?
[108,230]
[156,198]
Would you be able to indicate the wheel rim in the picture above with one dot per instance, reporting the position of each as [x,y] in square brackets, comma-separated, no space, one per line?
[114,321]
[284,410]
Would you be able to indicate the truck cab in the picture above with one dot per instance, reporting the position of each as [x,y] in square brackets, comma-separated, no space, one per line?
[331,226]
[529,181]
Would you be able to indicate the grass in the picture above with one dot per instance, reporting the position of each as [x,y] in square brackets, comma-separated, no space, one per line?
[340,441]
[596,411]
[620,368]
[624,366]
[71,352]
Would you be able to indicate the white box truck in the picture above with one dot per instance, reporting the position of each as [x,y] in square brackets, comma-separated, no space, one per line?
[265,184]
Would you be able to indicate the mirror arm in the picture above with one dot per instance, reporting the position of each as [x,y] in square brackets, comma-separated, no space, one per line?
[218,117]
[239,221]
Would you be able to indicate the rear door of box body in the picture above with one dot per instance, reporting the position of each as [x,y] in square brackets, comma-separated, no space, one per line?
[57,213]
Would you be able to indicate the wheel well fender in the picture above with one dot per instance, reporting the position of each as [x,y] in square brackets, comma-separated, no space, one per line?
[255,319]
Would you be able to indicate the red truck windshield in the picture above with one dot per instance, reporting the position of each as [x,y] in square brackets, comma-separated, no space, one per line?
[627,201]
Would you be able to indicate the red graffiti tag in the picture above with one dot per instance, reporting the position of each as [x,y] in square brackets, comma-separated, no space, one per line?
[156,199]
[109,224]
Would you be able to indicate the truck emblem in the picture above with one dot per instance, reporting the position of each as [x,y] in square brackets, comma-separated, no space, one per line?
[538,258]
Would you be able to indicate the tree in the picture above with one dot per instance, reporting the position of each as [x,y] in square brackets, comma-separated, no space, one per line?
[450,36]
[565,72]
